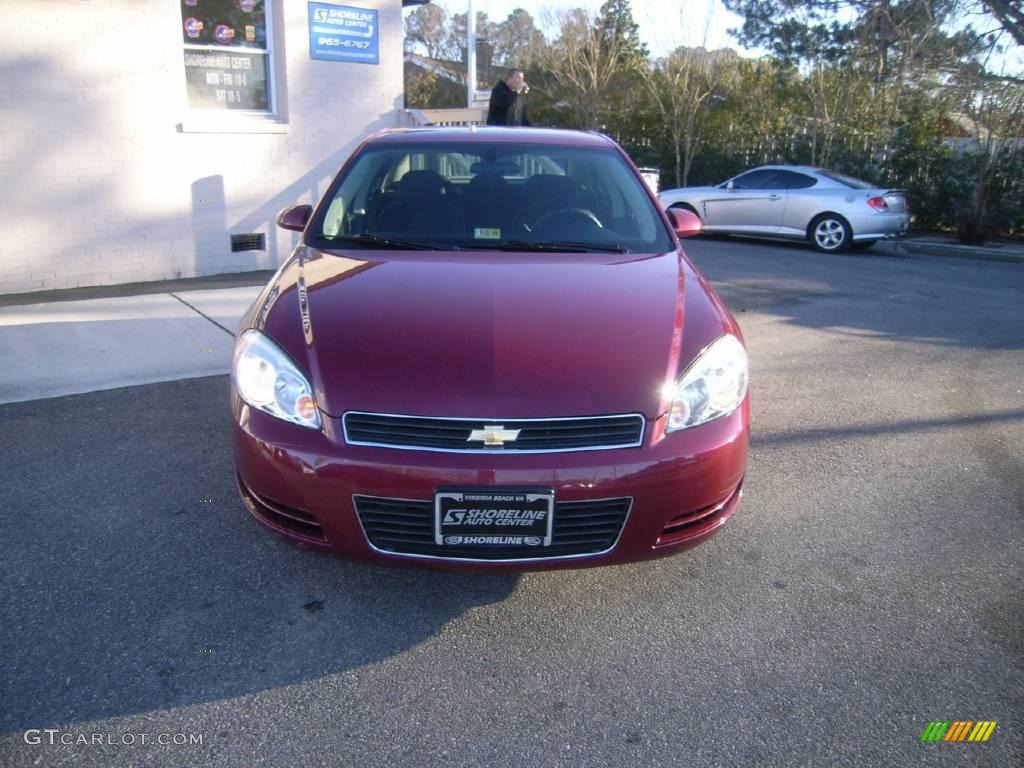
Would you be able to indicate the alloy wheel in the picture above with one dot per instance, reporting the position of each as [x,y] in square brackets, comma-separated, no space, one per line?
[830,234]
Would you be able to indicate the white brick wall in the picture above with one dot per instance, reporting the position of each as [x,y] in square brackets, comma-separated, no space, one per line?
[101,185]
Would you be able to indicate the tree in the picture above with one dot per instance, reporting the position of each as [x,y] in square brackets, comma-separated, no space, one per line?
[425,89]
[583,67]
[619,35]
[993,110]
[890,38]
[618,29]
[683,86]
[428,31]
[1009,15]
[517,41]
[759,121]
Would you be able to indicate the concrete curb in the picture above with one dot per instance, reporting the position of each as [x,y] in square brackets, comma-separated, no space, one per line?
[209,282]
[985,253]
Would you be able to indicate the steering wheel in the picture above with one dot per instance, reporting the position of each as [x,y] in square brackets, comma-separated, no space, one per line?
[580,215]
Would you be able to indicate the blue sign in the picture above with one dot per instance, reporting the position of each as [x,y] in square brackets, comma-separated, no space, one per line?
[343,33]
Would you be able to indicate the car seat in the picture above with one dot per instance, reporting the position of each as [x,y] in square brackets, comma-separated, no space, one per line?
[488,203]
[422,207]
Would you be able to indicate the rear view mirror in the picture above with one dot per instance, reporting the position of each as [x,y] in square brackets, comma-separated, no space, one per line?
[685,223]
[295,217]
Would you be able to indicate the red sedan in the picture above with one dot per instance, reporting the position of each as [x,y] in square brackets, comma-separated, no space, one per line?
[488,351]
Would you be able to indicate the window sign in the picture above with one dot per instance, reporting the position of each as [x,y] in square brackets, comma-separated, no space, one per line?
[226,79]
[227,56]
[343,33]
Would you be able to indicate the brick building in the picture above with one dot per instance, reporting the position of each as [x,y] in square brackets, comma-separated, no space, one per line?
[152,139]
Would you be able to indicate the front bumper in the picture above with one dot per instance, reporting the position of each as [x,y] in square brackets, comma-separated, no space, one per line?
[304,486]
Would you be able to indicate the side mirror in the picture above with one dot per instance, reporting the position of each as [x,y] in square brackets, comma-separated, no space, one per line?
[729,186]
[295,217]
[685,223]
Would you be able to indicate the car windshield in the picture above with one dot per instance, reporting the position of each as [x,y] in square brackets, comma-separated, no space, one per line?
[847,181]
[491,196]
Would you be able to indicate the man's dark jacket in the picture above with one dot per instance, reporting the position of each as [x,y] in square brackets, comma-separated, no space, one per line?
[506,108]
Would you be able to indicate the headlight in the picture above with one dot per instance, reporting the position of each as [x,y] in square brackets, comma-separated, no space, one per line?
[714,385]
[266,378]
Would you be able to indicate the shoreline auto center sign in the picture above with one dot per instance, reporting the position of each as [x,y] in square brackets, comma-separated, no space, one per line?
[343,33]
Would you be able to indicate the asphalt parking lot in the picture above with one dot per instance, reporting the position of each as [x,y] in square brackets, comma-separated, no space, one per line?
[871,581]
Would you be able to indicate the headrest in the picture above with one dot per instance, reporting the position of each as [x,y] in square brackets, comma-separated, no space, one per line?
[421,185]
[488,181]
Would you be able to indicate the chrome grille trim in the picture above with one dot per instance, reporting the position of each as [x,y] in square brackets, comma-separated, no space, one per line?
[583,422]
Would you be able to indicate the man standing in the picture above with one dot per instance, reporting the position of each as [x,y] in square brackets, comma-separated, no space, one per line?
[507,106]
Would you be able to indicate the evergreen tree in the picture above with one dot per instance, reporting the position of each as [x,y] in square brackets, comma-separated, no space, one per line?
[618,29]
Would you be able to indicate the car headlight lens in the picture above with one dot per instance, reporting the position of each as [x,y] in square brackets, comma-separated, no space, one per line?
[714,385]
[266,378]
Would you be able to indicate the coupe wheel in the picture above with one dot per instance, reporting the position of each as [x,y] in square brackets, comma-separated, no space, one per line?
[829,232]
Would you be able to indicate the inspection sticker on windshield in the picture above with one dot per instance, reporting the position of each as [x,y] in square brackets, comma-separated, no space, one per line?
[494,518]
[484,233]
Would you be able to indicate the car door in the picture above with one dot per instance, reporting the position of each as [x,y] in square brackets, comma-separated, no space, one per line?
[805,199]
[754,204]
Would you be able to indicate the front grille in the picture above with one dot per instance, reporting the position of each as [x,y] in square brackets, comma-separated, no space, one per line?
[406,527]
[535,435]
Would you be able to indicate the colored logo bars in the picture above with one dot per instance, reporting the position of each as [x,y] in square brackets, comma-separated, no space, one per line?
[959,730]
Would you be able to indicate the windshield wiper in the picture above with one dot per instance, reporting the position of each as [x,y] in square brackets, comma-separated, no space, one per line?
[390,242]
[556,246]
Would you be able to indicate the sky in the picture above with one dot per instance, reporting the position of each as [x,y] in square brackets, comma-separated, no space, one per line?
[667,24]
[664,24]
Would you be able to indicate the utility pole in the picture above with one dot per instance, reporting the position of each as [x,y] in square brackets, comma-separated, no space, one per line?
[470,55]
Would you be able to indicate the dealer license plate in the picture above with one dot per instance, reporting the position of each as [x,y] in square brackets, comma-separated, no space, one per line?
[494,518]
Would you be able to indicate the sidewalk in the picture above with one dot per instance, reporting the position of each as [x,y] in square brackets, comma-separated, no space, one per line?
[87,339]
[70,347]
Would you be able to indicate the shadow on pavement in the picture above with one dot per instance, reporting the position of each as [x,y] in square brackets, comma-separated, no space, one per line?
[134,578]
[871,294]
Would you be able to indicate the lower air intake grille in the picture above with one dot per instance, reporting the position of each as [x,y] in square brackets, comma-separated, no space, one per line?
[298,522]
[407,527]
[494,435]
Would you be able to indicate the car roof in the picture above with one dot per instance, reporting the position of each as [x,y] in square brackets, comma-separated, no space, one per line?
[800,168]
[490,134]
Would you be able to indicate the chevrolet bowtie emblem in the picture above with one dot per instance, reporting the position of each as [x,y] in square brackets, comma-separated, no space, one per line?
[494,435]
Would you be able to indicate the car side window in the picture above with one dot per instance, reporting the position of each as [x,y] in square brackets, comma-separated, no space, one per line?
[753,180]
[774,180]
[794,180]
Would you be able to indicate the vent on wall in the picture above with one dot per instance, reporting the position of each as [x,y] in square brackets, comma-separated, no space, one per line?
[252,242]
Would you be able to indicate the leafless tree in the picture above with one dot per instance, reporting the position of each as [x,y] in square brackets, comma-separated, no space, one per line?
[583,66]
[683,87]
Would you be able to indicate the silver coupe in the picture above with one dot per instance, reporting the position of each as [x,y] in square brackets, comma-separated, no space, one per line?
[830,210]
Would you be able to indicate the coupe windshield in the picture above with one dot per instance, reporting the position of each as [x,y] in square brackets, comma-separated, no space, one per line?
[497,196]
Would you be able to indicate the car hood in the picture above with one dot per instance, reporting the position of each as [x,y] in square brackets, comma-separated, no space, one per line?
[488,335]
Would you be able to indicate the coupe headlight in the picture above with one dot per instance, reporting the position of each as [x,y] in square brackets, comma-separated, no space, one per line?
[266,378]
[714,385]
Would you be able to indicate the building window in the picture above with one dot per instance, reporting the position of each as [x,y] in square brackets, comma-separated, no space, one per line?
[228,54]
